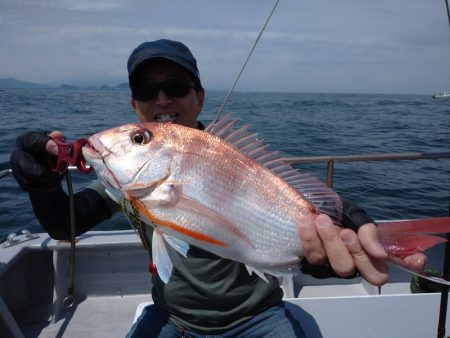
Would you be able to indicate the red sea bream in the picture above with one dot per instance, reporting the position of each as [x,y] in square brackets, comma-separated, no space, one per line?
[223,191]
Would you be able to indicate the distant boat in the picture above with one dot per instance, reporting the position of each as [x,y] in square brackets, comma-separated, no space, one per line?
[442,95]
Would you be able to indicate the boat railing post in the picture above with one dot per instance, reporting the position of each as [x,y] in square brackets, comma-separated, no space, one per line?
[330,173]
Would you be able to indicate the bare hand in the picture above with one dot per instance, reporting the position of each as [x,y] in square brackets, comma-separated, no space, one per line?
[51,147]
[347,251]
[369,256]
[323,240]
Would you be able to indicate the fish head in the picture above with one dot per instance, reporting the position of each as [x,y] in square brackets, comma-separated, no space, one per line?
[131,156]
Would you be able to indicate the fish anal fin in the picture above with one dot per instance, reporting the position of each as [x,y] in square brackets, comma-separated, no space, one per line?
[258,272]
[278,271]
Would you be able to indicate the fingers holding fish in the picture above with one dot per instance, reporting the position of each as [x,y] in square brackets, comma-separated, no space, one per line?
[374,270]
[322,245]
[338,255]
[416,261]
[368,235]
[313,249]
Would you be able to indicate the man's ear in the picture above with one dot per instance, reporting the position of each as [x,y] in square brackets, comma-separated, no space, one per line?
[133,104]
[201,99]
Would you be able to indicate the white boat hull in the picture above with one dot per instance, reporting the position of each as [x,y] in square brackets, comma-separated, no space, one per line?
[112,280]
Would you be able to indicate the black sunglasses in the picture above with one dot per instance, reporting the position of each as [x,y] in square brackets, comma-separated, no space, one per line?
[172,88]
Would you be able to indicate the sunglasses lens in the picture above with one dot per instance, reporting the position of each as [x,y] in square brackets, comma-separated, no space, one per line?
[146,92]
[172,88]
[177,88]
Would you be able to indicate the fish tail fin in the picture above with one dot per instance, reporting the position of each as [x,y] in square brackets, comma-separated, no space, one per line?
[404,238]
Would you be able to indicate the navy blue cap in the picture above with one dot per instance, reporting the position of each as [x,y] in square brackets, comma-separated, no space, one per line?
[166,49]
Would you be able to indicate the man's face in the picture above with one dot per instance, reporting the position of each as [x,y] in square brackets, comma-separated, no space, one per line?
[163,108]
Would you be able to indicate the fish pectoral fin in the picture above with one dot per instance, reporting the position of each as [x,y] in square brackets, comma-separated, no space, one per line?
[213,217]
[170,194]
[167,252]
[165,194]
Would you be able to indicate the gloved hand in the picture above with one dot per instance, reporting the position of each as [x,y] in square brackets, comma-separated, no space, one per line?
[353,216]
[30,165]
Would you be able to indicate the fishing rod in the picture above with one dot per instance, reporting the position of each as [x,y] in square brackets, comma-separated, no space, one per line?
[448,12]
[245,63]
[446,269]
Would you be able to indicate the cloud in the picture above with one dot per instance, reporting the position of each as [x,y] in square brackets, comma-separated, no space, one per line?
[320,43]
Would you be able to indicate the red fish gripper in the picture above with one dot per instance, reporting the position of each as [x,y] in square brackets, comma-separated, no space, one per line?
[69,153]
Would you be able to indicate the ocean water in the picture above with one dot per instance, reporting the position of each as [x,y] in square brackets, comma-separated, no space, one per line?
[297,124]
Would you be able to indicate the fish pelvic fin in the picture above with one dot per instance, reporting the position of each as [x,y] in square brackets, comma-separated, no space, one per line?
[404,238]
[167,252]
[310,187]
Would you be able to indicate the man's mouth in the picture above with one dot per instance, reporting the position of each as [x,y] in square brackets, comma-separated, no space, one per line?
[167,117]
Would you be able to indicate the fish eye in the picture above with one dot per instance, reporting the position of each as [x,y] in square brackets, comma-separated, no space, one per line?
[141,136]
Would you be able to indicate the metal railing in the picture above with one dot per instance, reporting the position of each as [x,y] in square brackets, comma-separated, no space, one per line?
[331,160]
[363,158]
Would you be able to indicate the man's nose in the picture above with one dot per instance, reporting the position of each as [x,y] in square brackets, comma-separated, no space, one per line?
[162,99]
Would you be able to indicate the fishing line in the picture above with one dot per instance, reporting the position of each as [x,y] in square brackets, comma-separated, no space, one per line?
[245,63]
[69,301]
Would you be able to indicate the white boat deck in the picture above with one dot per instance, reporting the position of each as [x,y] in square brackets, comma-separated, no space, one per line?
[112,280]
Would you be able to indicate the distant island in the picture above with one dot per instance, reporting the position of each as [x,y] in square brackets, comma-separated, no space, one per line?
[14,83]
[11,83]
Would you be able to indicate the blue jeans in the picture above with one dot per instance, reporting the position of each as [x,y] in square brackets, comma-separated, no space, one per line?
[275,322]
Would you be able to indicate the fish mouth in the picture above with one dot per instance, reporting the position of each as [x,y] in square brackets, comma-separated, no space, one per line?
[90,153]
[95,150]
[95,153]
[167,117]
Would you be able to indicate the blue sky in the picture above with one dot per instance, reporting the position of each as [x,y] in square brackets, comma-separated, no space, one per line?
[356,46]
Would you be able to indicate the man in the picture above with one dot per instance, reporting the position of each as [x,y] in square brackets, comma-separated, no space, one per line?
[206,294]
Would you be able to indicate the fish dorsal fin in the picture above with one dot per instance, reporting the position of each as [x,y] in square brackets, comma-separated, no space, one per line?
[317,192]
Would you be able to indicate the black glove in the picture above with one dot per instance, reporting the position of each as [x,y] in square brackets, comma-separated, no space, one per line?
[353,216]
[29,162]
